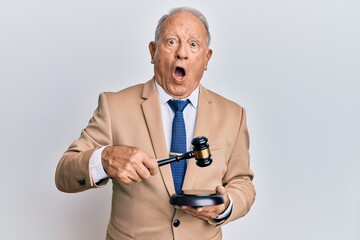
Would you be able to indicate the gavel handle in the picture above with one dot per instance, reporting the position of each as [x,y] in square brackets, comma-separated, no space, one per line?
[176,158]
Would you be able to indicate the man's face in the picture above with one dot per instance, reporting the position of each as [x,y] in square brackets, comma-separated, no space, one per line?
[180,56]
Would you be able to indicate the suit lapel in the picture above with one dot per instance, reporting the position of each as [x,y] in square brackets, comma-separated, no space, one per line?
[152,114]
[202,128]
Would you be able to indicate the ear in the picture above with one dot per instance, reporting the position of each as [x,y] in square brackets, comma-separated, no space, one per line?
[208,56]
[152,50]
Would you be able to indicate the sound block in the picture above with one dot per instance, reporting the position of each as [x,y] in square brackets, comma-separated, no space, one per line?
[196,198]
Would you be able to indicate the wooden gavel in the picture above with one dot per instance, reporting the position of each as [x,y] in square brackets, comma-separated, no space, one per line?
[201,153]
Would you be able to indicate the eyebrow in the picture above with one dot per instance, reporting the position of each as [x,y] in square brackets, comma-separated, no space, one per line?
[172,34]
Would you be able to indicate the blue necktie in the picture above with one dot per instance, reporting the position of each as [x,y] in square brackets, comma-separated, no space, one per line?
[178,142]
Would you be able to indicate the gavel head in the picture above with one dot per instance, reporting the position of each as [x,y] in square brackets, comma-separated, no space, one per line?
[201,151]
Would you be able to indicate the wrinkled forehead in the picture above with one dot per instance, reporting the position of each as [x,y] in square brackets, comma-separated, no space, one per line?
[184,22]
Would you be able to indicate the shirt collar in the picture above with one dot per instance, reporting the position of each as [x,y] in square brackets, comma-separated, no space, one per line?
[164,97]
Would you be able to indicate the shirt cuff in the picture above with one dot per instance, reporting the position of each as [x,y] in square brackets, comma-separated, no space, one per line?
[96,168]
[225,214]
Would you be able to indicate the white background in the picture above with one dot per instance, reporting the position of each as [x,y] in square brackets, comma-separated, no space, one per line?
[293,64]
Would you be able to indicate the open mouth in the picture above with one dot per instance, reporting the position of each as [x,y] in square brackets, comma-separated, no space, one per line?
[179,73]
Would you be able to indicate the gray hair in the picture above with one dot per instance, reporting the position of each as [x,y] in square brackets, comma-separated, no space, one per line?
[193,11]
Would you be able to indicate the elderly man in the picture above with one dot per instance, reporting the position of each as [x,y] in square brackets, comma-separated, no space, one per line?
[133,128]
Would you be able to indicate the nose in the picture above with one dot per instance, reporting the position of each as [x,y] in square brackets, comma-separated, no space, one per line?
[182,52]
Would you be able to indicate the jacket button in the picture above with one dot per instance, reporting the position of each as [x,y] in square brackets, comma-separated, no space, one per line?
[176,223]
[82,182]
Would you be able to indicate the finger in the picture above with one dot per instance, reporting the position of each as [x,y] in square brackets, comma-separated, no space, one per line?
[194,214]
[131,173]
[126,180]
[211,211]
[208,215]
[151,164]
[134,178]
[200,216]
[193,211]
[142,171]
[204,218]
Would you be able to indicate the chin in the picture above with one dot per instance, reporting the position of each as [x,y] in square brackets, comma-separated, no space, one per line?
[179,93]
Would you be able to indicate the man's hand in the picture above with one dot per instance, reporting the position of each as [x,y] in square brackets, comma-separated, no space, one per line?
[128,164]
[208,213]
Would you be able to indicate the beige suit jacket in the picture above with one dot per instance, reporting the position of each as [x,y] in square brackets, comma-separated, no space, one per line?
[142,211]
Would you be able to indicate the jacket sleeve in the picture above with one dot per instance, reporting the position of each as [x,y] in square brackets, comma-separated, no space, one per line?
[238,178]
[73,170]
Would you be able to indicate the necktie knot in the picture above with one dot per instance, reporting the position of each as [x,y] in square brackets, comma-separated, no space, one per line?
[178,105]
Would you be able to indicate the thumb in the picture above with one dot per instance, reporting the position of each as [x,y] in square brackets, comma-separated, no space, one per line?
[221,190]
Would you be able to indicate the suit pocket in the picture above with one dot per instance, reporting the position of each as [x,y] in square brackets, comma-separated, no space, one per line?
[217,146]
